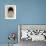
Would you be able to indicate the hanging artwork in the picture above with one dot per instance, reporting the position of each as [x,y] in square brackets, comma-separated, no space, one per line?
[10,11]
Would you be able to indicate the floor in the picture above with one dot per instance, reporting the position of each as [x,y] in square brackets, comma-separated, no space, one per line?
[28,43]
[31,43]
[7,45]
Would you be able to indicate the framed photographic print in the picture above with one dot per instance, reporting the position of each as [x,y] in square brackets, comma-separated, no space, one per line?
[10,11]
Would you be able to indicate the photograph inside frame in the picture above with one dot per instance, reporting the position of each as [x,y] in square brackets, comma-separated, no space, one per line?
[10,11]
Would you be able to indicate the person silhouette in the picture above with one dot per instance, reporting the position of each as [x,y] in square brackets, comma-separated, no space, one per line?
[10,12]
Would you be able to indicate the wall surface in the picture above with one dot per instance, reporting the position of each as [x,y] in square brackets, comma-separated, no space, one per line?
[27,12]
